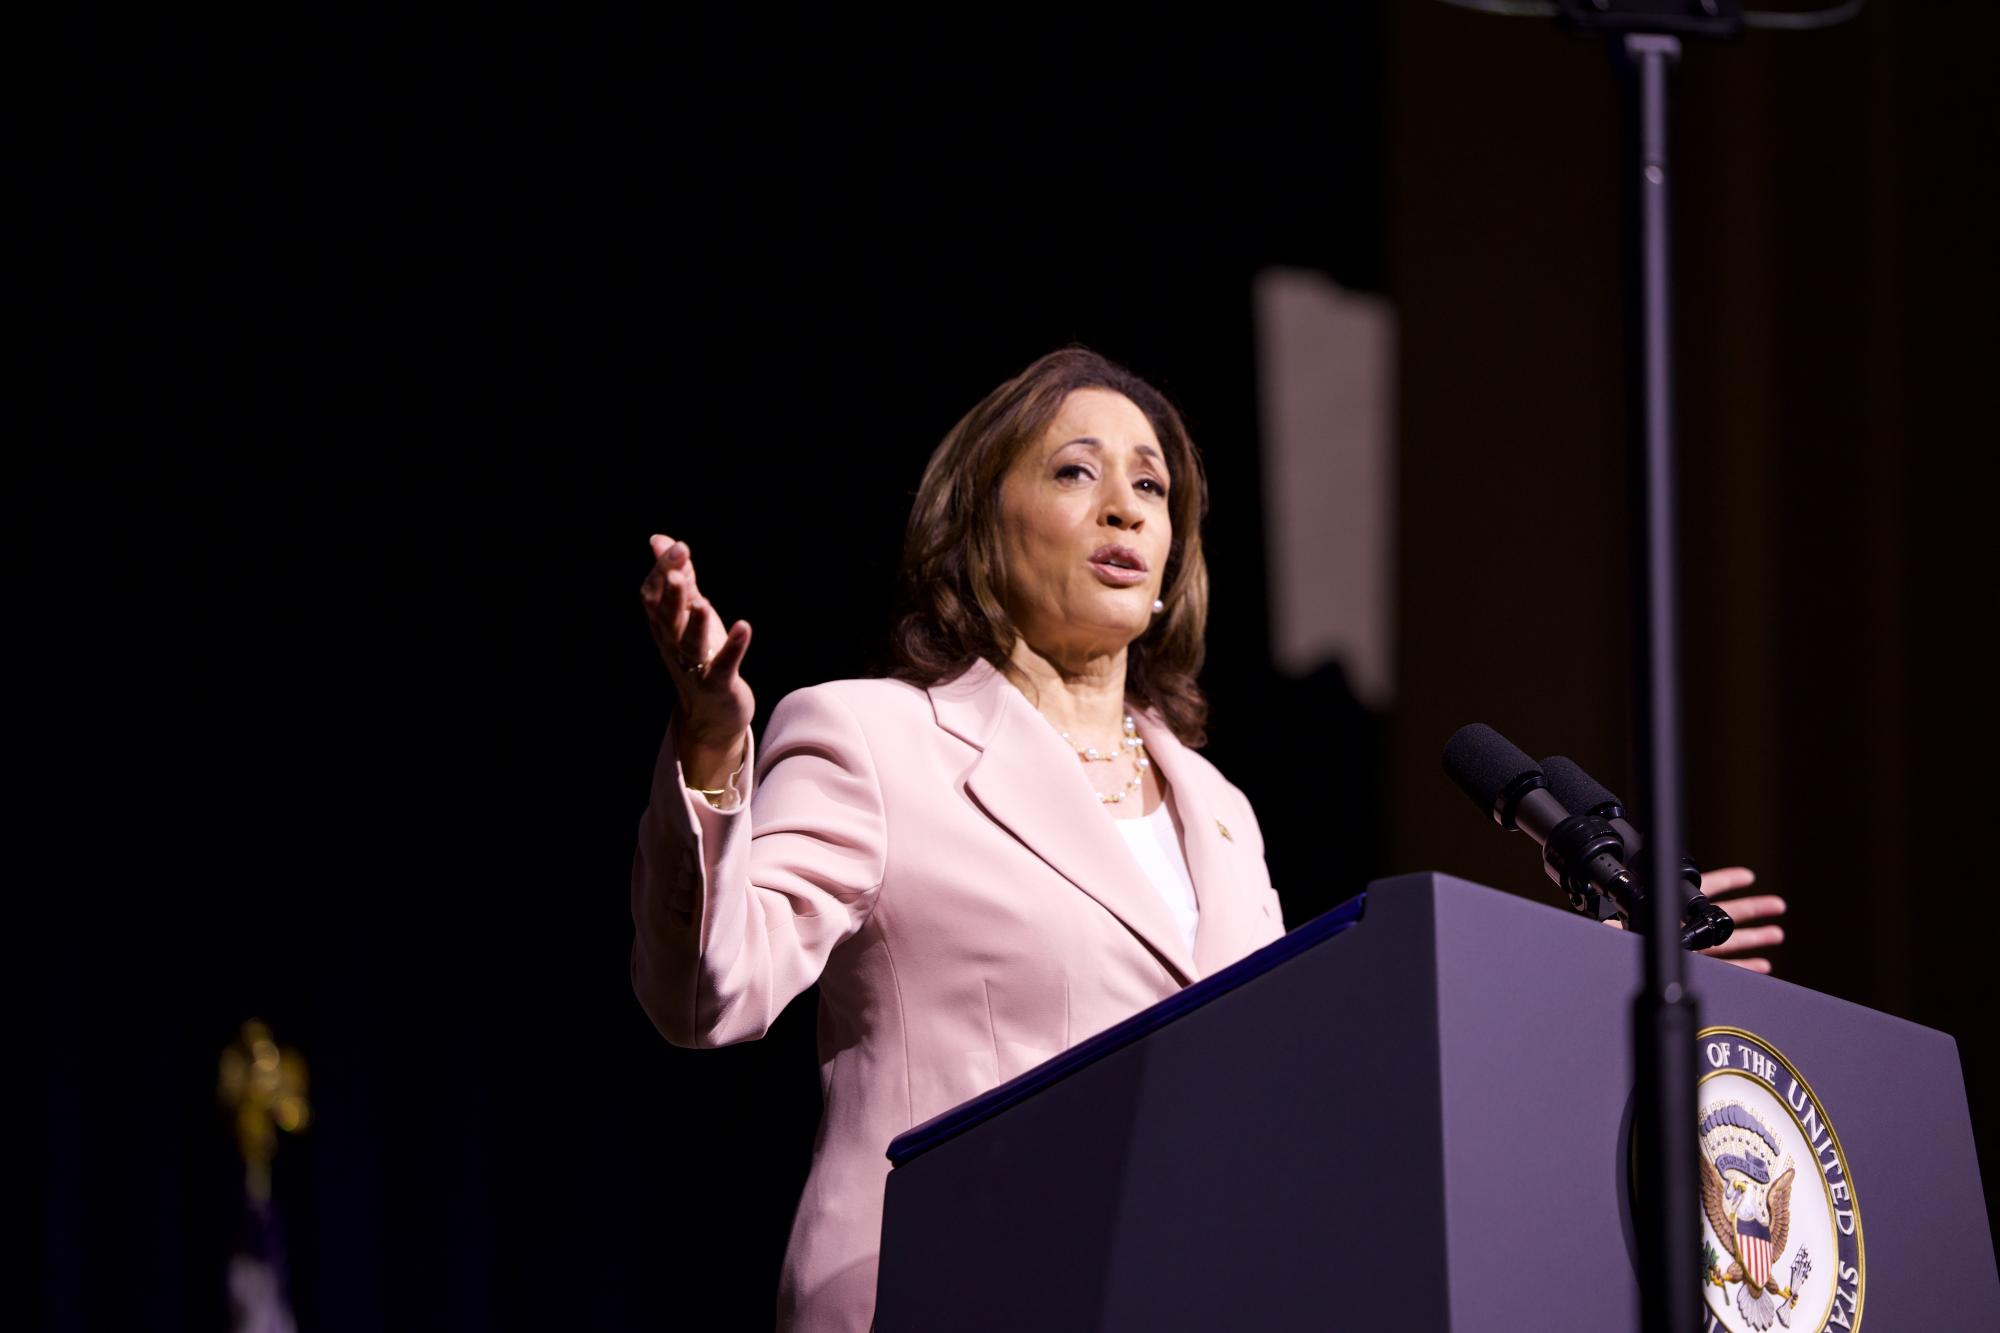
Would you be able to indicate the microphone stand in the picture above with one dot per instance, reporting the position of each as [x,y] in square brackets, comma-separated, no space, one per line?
[1665,1016]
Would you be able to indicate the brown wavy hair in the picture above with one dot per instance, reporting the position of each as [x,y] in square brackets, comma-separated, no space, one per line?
[952,574]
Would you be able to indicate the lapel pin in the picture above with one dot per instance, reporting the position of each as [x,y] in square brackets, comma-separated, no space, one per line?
[1224,830]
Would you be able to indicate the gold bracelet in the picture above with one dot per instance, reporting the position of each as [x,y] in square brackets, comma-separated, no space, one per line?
[703,791]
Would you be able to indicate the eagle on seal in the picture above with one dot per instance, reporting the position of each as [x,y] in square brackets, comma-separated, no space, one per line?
[1754,1230]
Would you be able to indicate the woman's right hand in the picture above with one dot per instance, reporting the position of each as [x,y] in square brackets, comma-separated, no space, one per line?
[713,722]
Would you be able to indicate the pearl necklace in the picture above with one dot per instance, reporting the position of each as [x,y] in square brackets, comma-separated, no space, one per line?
[1131,743]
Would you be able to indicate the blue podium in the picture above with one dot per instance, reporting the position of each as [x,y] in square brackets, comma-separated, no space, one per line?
[1415,1112]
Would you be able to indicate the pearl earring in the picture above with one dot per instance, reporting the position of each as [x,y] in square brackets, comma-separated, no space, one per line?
[1158,606]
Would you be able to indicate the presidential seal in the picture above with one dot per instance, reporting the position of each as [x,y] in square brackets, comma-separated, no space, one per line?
[1781,1232]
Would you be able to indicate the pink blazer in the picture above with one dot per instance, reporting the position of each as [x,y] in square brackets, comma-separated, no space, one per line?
[937,861]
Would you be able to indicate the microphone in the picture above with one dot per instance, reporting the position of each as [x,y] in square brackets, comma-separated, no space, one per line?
[1579,791]
[1584,854]
[1703,924]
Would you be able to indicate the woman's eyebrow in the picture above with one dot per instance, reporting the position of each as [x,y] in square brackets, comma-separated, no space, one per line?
[1095,443]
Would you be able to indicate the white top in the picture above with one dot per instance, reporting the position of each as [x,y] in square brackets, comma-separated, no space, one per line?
[1158,848]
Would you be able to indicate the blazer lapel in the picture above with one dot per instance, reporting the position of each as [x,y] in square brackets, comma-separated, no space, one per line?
[1031,784]
[1224,932]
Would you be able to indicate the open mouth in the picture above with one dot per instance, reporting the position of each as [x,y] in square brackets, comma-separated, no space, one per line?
[1118,565]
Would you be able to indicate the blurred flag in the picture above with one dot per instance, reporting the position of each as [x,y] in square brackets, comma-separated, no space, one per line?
[257,1302]
[264,1088]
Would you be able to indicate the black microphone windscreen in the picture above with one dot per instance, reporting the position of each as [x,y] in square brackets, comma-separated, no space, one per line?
[1576,789]
[1483,763]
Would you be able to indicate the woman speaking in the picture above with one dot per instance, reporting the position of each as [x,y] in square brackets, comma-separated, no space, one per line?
[1005,848]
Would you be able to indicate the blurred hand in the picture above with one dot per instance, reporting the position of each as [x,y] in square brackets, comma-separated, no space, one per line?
[705,661]
[1750,910]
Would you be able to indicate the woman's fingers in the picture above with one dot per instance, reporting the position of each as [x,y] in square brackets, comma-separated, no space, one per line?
[664,591]
[1757,907]
[666,558]
[1727,880]
[691,647]
[1747,911]
[703,658]
[666,619]
[1747,938]
[682,625]
[729,658]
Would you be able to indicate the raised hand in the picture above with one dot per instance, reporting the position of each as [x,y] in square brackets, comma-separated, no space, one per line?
[1748,910]
[705,662]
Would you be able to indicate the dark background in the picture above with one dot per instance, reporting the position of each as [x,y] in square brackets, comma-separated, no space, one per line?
[371,356]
